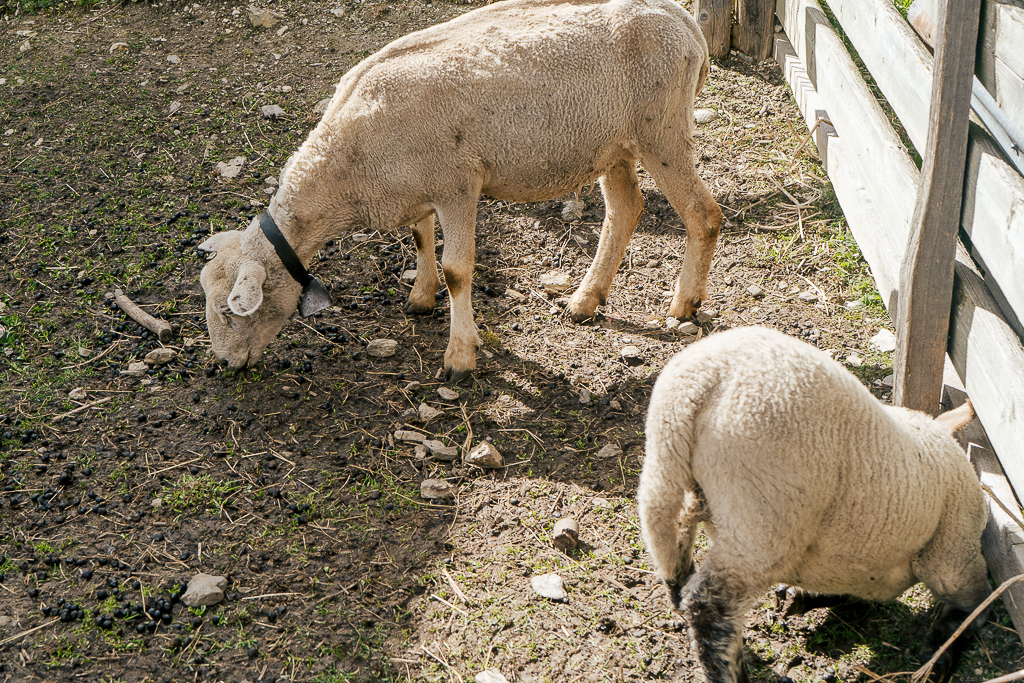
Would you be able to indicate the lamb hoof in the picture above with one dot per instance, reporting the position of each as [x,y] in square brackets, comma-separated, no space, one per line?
[412,308]
[685,309]
[454,376]
[791,601]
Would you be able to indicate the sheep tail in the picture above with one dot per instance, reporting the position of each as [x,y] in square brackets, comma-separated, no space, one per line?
[667,487]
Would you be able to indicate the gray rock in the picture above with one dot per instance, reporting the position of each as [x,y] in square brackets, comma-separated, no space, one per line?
[360,237]
[485,455]
[609,451]
[671,323]
[230,169]
[448,394]
[808,296]
[158,357]
[321,106]
[174,59]
[261,17]
[889,380]
[549,586]
[688,328]
[412,386]
[427,413]
[585,396]
[382,348]
[403,435]
[204,590]
[175,106]
[853,360]
[555,282]
[631,355]
[156,503]
[884,341]
[704,115]
[440,451]
[77,394]
[706,315]
[10,621]
[514,295]
[136,369]
[271,111]
[436,489]
[489,676]
[409,277]
[614,404]
[755,291]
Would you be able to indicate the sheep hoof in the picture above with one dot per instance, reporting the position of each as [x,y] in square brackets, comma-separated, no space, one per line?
[454,376]
[413,308]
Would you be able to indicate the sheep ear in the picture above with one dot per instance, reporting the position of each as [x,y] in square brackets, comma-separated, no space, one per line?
[218,241]
[955,420]
[247,294]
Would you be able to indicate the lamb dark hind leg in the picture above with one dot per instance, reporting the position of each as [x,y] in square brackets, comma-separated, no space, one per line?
[715,607]
[792,601]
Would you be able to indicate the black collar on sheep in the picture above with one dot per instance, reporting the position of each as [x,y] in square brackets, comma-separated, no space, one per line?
[314,295]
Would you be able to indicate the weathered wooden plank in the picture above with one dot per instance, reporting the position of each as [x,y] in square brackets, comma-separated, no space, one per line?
[993,217]
[989,359]
[865,222]
[881,159]
[898,61]
[754,28]
[1002,544]
[714,17]
[926,277]
[1001,57]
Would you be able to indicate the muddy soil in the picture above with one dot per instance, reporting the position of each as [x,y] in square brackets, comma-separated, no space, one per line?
[287,479]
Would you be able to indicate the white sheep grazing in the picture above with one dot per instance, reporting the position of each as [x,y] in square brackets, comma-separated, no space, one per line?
[524,100]
[801,477]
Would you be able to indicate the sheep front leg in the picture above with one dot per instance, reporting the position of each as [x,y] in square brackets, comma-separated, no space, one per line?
[421,298]
[623,204]
[458,223]
[715,610]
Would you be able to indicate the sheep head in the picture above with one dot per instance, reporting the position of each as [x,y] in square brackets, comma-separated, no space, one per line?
[249,295]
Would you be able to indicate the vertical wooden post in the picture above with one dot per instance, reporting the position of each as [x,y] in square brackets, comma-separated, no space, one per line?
[754,31]
[926,277]
[715,20]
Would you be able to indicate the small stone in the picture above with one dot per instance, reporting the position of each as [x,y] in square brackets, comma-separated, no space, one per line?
[261,17]
[548,586]
[514,295]
[854,360]
[706,315]
[601,503]
[428,413]
[436,489]
[204,590]
[136,369]
[889,380]
[808,296]
[631,355]
[412,386]
[688,328]
[77,394]
[671,323]
[158,357]
[609,451]
[25,47]
[382,348]
[485,455]
[271,181]
[406,435]
[322,105]
[175,106]
[440,451]
[704,115]
[118,46]
[271,111]
[884,341]
[174,59]
[614,404]
[84,352]
[448,394]
[156,503]
[856,303]
[419,452]
[555,282]
[409,277]
[566,534]
[360,237]
[489,676]
[230,169]
[755,291]
[572,210]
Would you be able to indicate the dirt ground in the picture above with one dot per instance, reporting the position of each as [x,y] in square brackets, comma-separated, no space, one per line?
[286,479]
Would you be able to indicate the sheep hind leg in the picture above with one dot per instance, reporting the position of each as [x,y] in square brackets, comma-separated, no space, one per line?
[792,601]
[715,611]
[623,204]
[421,298]
[458,223]
[674,173]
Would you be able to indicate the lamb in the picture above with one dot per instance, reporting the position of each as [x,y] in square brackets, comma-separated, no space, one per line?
[802,477]
[524,100]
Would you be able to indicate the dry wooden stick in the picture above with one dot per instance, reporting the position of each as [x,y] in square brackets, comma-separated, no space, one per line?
[160,328]
[85,407]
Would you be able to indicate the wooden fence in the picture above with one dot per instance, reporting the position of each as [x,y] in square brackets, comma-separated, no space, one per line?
[891,205]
